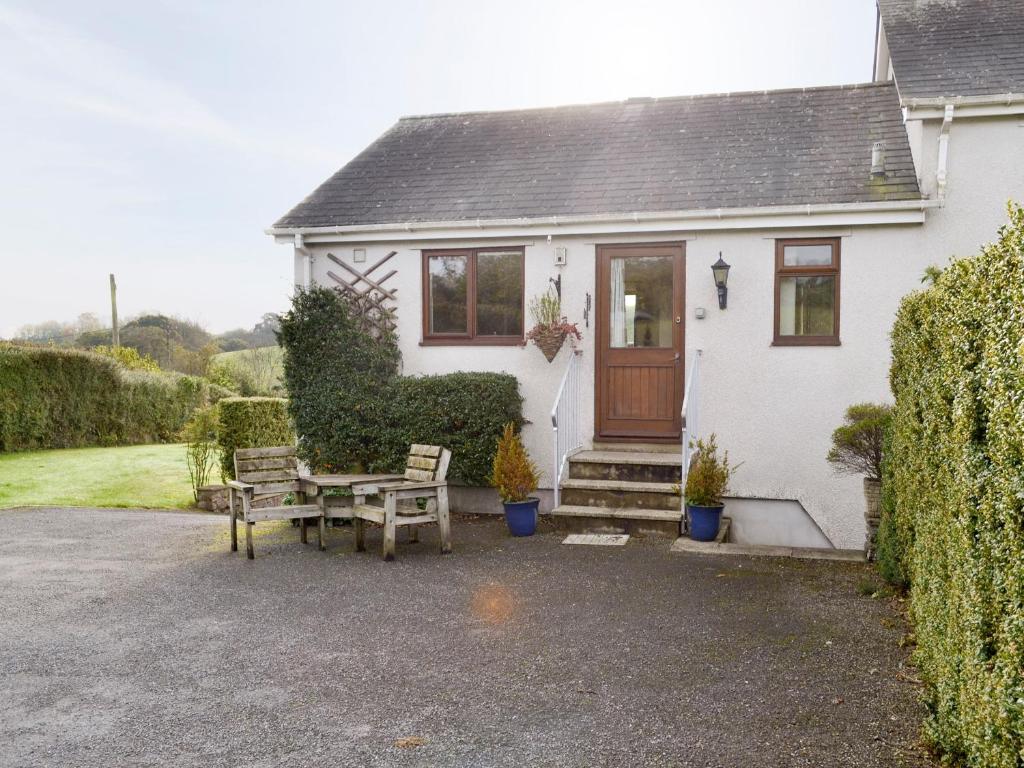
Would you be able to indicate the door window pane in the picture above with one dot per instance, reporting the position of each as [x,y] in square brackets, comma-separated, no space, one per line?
[807,255]
[641,302]
[807,305]
[448,291]
[499,293]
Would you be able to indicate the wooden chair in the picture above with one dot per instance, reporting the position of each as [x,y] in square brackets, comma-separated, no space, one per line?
[424,478]
[261,473]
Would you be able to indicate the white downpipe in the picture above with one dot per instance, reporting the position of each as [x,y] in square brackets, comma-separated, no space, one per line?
[690,417]
[566,422]
[307,262]
[941,167]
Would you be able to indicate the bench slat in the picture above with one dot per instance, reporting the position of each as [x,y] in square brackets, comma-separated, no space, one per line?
[263,453]
[421,462]
[419,475]
[284,513]
[425,450]
[268,476]
[249,465]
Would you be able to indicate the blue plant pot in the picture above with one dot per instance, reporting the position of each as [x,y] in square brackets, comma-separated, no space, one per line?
[521,517]
[704,521]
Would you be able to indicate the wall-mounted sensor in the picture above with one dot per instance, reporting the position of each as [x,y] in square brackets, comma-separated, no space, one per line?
[359,255]
[561,253]
[699,313]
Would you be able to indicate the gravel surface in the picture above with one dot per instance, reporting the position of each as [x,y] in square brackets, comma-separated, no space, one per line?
[135,638]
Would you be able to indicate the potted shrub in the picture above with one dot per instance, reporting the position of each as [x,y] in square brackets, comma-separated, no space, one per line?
[857,450]
[707,482]
[515,478]
[550,328]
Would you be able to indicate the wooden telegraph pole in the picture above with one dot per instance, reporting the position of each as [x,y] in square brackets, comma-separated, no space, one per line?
[116,333]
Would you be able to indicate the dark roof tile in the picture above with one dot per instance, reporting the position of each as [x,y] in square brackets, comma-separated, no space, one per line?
[685,153]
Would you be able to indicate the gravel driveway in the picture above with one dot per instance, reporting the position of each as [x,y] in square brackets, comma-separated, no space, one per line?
[135,638]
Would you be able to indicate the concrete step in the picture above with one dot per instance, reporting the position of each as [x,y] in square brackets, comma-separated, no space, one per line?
[616,447]
[620,494]
[567,510]
[636,466]
[634,521]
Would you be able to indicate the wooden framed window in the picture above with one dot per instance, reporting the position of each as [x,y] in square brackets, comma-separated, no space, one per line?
[473,296]
[807,292]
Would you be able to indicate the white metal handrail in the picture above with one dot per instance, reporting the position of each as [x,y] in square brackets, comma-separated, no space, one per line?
[566,420]
[690,415]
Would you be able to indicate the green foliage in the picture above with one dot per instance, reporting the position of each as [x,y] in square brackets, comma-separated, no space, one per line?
[546,308]
[857,444]
[353,411]
[249,372]
[514,475]
[62,398]
[251,422]
[707,482]
[201,450]
[957,512]
[893,542]
[128,357]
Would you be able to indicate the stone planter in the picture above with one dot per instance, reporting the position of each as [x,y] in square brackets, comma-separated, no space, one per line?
[214,498]
[550,340]
[872,515]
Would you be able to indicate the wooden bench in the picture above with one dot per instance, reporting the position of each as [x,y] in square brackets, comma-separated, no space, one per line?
[261,473]
[398,501]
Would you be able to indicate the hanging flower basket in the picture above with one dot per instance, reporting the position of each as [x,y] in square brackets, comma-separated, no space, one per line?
[550,338]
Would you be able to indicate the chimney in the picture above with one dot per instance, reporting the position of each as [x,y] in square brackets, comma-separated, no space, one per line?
[878,159]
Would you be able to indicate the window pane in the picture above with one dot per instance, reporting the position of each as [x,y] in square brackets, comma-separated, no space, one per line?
[641,301]
[807,255]
[499,293]
[448,294]
[807,306]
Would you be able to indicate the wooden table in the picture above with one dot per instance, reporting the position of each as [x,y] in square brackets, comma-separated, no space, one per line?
[339,507]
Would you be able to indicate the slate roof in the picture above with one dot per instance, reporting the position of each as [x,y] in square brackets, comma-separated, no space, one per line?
[642,155]
[948,48]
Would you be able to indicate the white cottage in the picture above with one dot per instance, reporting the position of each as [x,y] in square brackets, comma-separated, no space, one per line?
[828,204]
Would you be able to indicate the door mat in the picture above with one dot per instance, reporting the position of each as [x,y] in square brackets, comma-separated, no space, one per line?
[597,539]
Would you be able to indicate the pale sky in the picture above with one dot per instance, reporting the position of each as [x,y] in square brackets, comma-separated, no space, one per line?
[158,139]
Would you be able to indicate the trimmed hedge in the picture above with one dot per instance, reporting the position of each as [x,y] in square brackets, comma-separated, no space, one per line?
[956,475]
[354,412]
[251,422]
[64,398]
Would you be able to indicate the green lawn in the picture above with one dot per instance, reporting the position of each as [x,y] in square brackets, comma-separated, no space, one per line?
[133,476]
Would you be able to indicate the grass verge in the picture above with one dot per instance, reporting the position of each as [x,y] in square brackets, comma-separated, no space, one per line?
[152,476]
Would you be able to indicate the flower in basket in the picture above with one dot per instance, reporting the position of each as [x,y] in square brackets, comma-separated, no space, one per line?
[550,328]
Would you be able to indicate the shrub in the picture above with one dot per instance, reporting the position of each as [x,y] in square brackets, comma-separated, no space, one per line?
[957,515]
[353,411]
[707,481]
[63,398]
[130,358]
[251,422]
[200,436]
[514,474]
[857,444]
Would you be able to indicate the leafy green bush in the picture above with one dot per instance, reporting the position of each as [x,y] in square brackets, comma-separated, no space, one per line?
[201,449]
[64,398]
[353,411]
[857,443]
[251,422]
[130,358]
[957,513]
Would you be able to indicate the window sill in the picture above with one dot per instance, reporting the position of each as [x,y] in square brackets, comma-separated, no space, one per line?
[478,342]
[810,341]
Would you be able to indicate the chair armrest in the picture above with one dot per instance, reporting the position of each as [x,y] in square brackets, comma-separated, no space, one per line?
[236,485]
[412,486]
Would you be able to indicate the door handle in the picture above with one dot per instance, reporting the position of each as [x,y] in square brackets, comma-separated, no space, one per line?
[676,358]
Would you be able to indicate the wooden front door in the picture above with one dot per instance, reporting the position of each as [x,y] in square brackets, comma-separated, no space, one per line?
[639,370]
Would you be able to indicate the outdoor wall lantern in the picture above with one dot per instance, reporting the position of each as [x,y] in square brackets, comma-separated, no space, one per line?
[721,272]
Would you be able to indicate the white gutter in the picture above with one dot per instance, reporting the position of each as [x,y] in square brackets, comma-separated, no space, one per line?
[941,165]
[891,211]
[966,106]
[307,264]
